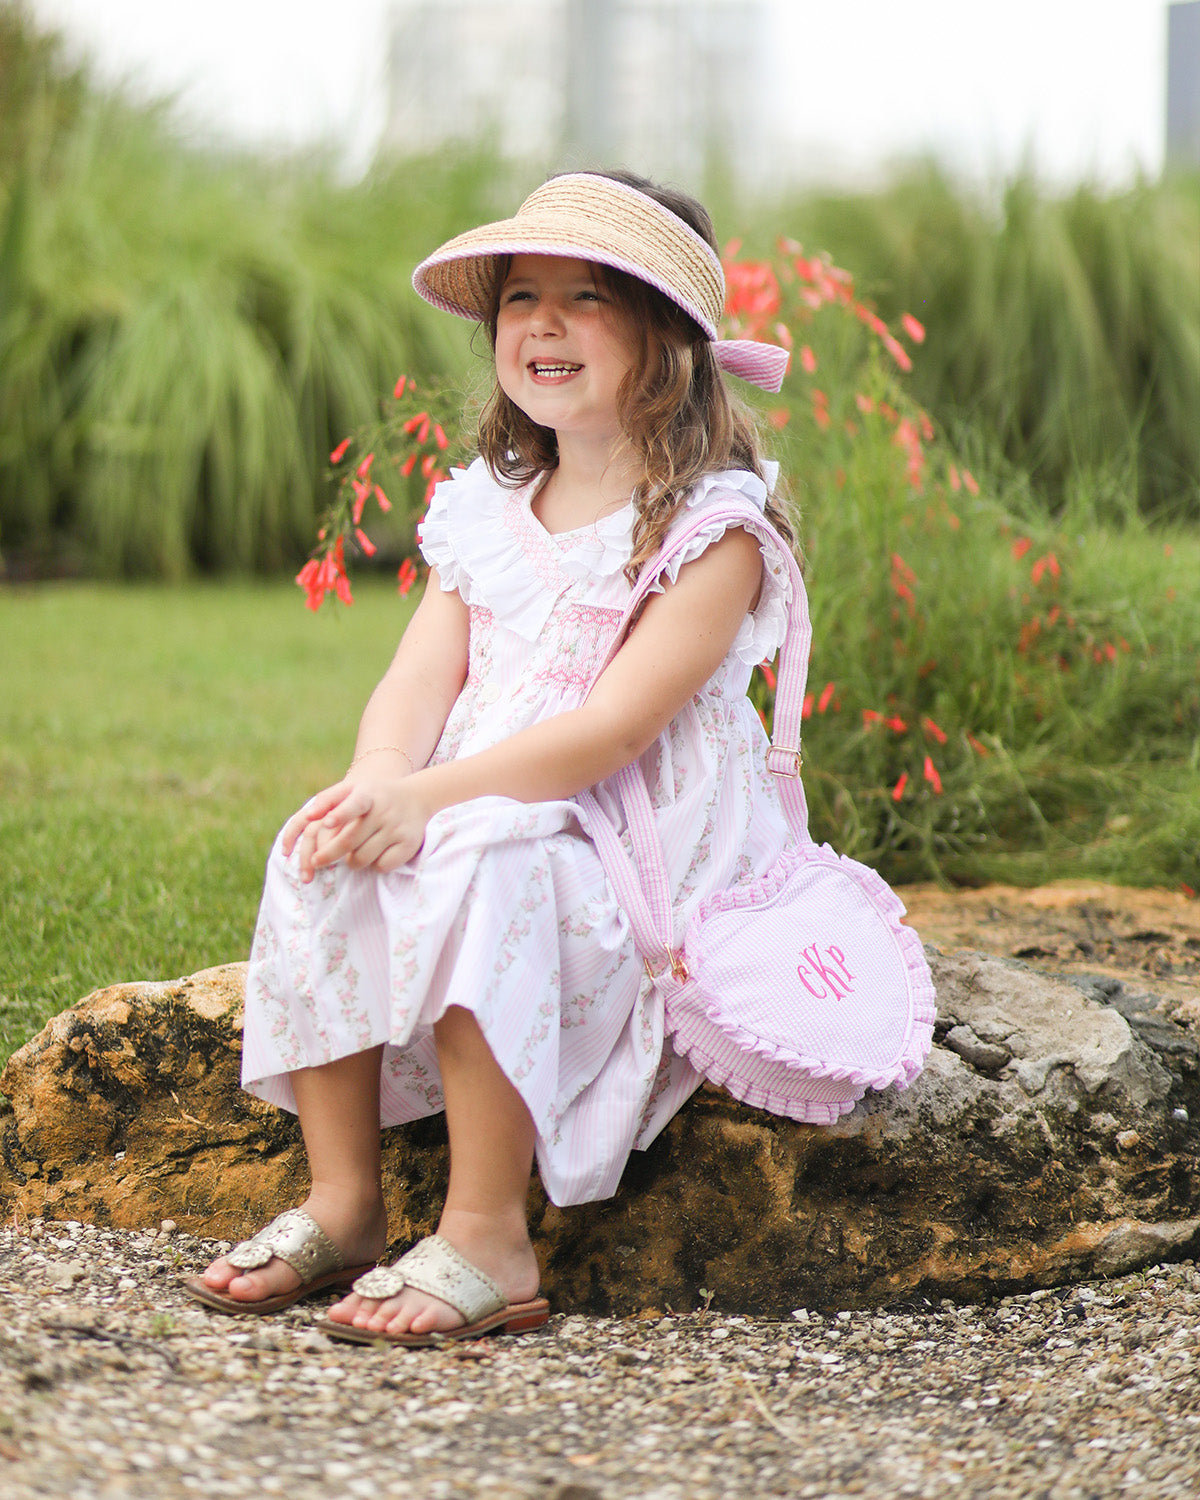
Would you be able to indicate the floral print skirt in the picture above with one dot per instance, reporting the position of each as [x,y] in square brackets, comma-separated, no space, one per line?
[505,912]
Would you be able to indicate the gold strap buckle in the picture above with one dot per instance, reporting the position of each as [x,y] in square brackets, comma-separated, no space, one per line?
[679,969]
[793,769]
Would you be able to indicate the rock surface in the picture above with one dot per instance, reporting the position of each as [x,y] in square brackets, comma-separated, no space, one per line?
[1052,1137]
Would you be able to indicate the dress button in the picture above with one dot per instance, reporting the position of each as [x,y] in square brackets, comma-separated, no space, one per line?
[490,694]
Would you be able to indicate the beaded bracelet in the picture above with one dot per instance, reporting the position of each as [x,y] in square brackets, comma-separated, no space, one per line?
[375,750]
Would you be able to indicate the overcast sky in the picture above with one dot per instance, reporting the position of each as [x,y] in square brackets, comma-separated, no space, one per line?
[1078,84]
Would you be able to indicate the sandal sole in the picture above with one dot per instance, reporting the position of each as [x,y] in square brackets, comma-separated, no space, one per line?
[518,1317]
[219,1302]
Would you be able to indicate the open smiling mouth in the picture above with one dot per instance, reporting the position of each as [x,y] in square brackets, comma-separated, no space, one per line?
[556,371]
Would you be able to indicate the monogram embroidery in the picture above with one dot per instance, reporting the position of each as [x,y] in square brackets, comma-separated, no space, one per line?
[824,972]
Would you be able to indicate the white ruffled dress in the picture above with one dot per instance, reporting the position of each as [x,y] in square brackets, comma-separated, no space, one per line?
[506,910]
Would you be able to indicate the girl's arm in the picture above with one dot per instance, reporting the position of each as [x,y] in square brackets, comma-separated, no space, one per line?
[407,712]
[682,637]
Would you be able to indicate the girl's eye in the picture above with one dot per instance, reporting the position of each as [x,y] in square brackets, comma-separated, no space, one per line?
[517,295]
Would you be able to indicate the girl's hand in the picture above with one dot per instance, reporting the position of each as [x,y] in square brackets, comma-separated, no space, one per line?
[371,822]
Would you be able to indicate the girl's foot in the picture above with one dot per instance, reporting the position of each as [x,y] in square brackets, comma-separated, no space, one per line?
[499,1247]
[358,1230]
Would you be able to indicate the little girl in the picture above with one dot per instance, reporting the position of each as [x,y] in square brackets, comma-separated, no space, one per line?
[436,930]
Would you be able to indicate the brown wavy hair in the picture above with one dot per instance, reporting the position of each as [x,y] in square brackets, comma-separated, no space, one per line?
[675,411]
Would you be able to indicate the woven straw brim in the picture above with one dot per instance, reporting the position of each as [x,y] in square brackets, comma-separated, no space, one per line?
[587,218]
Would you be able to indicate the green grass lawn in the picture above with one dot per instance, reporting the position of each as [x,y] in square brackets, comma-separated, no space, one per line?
[152,740]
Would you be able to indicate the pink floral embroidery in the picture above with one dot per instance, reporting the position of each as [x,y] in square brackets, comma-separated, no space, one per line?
[583,633]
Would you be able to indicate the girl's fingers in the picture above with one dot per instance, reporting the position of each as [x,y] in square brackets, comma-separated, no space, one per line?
[366,855]
[396,855]
[342,832]
[314,809]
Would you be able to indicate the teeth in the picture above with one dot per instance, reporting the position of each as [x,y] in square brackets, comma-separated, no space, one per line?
[556,369]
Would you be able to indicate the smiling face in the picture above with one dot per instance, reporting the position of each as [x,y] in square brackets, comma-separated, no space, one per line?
[563,346]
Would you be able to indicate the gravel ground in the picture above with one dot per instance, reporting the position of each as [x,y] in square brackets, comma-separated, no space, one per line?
[113,1384]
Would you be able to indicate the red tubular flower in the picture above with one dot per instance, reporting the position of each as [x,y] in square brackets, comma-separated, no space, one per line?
[439,437]
[826,697]
[915,330]
[407,576]
[309,580]
[808,360]
[1020,547]
[898,789]
[768,672]
[365,542]
[934,730]
[384,503]
[399,389]
[364,468]
[806,707]
[361,490]
[408,465]
[931,775]
[340,451]
[1047,564]
[898,352]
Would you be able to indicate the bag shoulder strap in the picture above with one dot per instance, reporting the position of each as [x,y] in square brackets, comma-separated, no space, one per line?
[644,890]
[784,759]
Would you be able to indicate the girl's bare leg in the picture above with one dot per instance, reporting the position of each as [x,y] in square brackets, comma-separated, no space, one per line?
[338,1106]
[491,1156]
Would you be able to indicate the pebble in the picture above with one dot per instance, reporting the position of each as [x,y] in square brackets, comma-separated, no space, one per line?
[113,1383]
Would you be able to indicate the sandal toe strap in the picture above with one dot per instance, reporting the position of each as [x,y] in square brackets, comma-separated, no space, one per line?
[294,1237]
[435,1267]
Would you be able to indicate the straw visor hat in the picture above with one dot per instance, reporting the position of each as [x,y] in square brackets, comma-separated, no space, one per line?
[589,217]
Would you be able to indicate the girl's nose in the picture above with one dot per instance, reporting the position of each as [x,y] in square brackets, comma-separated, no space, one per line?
[547,316]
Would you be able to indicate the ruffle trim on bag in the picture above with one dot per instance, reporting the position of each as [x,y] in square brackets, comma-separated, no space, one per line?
[759,1095]
[697,1035]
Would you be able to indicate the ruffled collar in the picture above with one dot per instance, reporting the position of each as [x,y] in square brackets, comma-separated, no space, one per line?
[487,543]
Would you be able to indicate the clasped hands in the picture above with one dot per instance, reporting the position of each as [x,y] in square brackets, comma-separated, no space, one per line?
[368,820]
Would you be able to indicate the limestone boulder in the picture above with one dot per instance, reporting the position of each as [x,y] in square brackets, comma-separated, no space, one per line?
[1053,1136]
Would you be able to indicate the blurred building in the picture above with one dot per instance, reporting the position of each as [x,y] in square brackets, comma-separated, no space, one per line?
[1183,84]
[662,86]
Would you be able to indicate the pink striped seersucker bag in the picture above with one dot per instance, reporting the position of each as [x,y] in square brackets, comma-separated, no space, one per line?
[801,990]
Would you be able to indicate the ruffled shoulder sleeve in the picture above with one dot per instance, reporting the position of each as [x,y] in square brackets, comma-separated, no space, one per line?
[465,489]
[762,632]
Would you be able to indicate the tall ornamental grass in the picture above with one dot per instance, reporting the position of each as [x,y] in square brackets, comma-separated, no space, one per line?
[182,332]
[1064,327]
[185,334]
